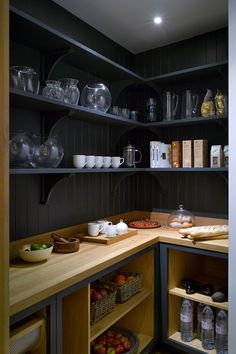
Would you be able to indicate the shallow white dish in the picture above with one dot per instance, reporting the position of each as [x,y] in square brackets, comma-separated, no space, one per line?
[37,255]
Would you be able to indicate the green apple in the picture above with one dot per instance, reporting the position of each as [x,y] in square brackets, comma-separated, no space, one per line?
[38,246]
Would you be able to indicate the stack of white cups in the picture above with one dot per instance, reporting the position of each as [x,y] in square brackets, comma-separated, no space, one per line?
[91,161]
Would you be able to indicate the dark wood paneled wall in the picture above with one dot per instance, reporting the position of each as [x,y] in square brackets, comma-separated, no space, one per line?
[82,198]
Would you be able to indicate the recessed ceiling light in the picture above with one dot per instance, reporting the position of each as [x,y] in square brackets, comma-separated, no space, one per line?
[158,20]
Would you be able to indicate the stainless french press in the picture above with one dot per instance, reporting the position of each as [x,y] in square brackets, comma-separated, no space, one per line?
[129,152]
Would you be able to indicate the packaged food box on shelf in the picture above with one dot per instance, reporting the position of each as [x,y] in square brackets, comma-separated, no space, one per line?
[102,301]
[126,284]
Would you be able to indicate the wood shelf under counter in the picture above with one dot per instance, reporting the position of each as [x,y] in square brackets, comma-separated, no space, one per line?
[194,344]
[119,311]
[198,298]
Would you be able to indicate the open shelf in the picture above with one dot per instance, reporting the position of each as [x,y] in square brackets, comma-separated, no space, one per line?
[198,298]
[32,32]
[119,311]
[40,103]
[194,344]
[192,72]
[187,122]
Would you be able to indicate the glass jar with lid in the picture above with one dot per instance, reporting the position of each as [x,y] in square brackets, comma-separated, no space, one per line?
[71,91]
[181,218]
[53,90]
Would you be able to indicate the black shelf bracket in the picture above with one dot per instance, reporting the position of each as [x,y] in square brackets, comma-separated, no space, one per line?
[50,120]
[48,182]
[223,176]
[118,86]
[117,180]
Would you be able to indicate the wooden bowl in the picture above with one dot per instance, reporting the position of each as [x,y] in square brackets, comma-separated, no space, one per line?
[69,247]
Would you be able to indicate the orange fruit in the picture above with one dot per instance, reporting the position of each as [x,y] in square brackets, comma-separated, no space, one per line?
[120,279]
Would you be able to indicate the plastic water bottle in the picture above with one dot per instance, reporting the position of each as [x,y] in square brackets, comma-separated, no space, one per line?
[186,320]
[207,328]
[199,320]
[221,332]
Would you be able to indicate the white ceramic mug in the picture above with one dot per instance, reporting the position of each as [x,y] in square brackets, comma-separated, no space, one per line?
[98,161]
[111,231]
[90,161]
[106,161]
[116,161]
[105,223]
[94,228]
[79,161]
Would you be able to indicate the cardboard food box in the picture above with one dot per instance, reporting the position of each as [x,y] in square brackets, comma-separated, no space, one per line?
[200,153]
[176,152]
[187,153]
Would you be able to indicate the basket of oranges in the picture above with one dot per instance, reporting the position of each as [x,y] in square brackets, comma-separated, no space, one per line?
[126,284]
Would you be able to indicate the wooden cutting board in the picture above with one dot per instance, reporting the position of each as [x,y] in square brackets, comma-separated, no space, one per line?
[109,240]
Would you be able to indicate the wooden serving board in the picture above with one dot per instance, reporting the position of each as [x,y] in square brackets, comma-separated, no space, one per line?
[109,240]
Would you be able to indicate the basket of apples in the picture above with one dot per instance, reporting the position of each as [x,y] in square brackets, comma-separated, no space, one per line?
[102,301]
[115,341]
[126,284]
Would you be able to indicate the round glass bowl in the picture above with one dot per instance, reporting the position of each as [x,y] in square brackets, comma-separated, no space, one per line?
[71,91]
[24,78]
[21,149]
[181,218]
[96,96]
[53,90]
[48,152]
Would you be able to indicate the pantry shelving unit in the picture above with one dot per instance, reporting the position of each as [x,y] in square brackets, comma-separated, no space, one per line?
[49,45]
[180,263]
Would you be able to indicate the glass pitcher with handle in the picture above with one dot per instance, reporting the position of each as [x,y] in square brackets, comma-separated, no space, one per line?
[189,104]
[129,153]
[170,105]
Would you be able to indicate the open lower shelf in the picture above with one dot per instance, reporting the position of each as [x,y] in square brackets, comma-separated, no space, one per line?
[199,298]
[119,311]
[194,344]
[144,340]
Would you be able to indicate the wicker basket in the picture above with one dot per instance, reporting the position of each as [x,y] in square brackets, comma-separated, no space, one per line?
[129,288]
[101,308]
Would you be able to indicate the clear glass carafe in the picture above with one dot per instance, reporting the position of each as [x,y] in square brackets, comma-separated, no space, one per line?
[71,91]
[151,109]
[189,104]
[170,105]
[24,78]
[53,90]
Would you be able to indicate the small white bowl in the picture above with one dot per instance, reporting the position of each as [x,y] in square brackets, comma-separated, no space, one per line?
[35,256]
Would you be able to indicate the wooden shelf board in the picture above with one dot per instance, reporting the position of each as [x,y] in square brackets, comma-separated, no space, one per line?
[119,311]
[195,344]
[198,298]
[144,340]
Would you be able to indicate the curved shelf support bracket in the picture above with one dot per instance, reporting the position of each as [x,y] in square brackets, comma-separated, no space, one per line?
[50,60]
[223,176]
[160,177]
[117,133]
[50,120]
[48,182]
[118,86]
[224,73]
[116,181]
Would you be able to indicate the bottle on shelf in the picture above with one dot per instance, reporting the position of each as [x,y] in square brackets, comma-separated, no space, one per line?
[199,320]
[221,328]
[186,320]
[208,341]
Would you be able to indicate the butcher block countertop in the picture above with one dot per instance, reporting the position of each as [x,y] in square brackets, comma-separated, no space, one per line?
[32,282]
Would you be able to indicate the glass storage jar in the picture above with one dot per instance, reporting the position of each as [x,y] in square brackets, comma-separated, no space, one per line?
[21,149]
[71,91]
[53,90]
[96,96]
[24,78]
[181,218]
[48,151]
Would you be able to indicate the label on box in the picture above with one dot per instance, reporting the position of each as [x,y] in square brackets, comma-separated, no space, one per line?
[187,153]
[216,156]
[200,153]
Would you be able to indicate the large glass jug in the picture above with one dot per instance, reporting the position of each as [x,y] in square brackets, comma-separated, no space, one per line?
[189,104]
[170,105]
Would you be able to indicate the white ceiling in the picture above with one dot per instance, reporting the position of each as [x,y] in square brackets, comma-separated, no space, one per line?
[130,22]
